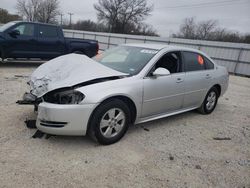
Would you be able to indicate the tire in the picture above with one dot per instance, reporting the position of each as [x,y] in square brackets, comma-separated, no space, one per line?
[209,102]
[109,122]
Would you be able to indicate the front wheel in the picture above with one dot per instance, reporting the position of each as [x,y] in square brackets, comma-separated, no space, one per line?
[110,122]
[209,102]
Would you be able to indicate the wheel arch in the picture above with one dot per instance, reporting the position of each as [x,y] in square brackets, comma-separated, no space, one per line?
[127,100]
[78,50]
[218,87]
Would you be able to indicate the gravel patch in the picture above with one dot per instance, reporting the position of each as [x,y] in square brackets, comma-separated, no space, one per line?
[187,150]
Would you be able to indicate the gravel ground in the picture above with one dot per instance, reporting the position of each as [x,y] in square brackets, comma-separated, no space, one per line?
[178,151]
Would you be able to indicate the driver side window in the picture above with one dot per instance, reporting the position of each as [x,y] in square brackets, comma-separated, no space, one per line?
[170,61]
[25,29]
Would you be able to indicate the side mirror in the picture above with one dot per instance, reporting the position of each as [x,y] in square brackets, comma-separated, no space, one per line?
[161,72]
[14,33]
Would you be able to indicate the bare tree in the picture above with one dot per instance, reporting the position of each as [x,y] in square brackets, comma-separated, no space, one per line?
[206,29]
[38,10]
[48,11]
[88,25]
[5,16]
[188,28]
[119,14]
[209,30]
[28,9]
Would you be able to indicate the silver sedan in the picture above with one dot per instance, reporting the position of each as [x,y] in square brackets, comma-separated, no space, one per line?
[125,85]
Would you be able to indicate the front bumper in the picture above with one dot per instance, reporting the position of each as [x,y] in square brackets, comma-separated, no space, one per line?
[64,119]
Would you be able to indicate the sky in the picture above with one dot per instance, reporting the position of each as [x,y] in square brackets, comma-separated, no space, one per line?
[167,14]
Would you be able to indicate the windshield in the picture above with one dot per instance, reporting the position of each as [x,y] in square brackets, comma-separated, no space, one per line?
[126,59]
[6,26]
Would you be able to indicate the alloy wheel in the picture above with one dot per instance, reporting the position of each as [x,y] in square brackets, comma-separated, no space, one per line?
[112,122]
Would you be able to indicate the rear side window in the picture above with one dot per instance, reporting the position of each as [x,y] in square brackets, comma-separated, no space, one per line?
[208,63]
[193,61]
[48,31]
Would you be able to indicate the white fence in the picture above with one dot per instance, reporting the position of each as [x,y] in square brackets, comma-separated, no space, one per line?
[234,56]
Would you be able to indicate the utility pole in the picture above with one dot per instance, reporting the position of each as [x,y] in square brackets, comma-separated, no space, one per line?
[70,15]
[61,18]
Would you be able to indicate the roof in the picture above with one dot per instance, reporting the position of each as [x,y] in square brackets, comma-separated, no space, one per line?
[18,21]
[162,46]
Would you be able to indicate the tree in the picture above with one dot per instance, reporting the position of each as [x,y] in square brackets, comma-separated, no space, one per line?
[39,10]
[208,30]
[28,9]
[205,29]
[120,14]
[188,28]
[88,25]
[6,17]
[48,11]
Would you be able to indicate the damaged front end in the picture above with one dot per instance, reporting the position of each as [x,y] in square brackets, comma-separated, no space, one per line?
[66,95]
[56,80]
[54,93]
[37,86]
[30,99]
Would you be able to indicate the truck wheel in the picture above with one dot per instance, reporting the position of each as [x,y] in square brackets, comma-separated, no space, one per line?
[110,122]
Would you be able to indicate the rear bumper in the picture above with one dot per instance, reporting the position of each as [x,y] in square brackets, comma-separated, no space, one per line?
[63,119]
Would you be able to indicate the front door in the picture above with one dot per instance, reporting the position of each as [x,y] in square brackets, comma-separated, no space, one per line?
[23,45]
[164,94]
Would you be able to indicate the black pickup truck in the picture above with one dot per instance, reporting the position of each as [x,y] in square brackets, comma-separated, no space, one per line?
[20,39]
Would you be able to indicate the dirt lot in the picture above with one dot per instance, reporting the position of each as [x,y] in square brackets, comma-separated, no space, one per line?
[173,152]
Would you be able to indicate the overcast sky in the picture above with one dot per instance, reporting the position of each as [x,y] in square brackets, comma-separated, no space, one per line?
[168,14]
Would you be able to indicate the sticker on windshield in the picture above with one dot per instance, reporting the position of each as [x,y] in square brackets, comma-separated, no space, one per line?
[145,51]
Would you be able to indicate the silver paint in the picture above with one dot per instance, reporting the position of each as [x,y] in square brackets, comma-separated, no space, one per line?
[153,97]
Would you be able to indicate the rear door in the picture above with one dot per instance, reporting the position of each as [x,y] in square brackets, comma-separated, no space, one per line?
[198,79]
[23,45]
[50,44]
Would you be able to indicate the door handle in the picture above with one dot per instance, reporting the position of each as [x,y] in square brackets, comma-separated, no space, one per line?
[208,76]
[179,80]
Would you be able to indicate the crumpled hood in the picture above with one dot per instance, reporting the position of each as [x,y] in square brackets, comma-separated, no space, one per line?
[67,71]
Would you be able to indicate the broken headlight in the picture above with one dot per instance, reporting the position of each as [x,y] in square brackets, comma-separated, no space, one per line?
[64,97]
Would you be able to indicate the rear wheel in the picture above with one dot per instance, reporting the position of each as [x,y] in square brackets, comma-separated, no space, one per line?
[110,122]
[210,101]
